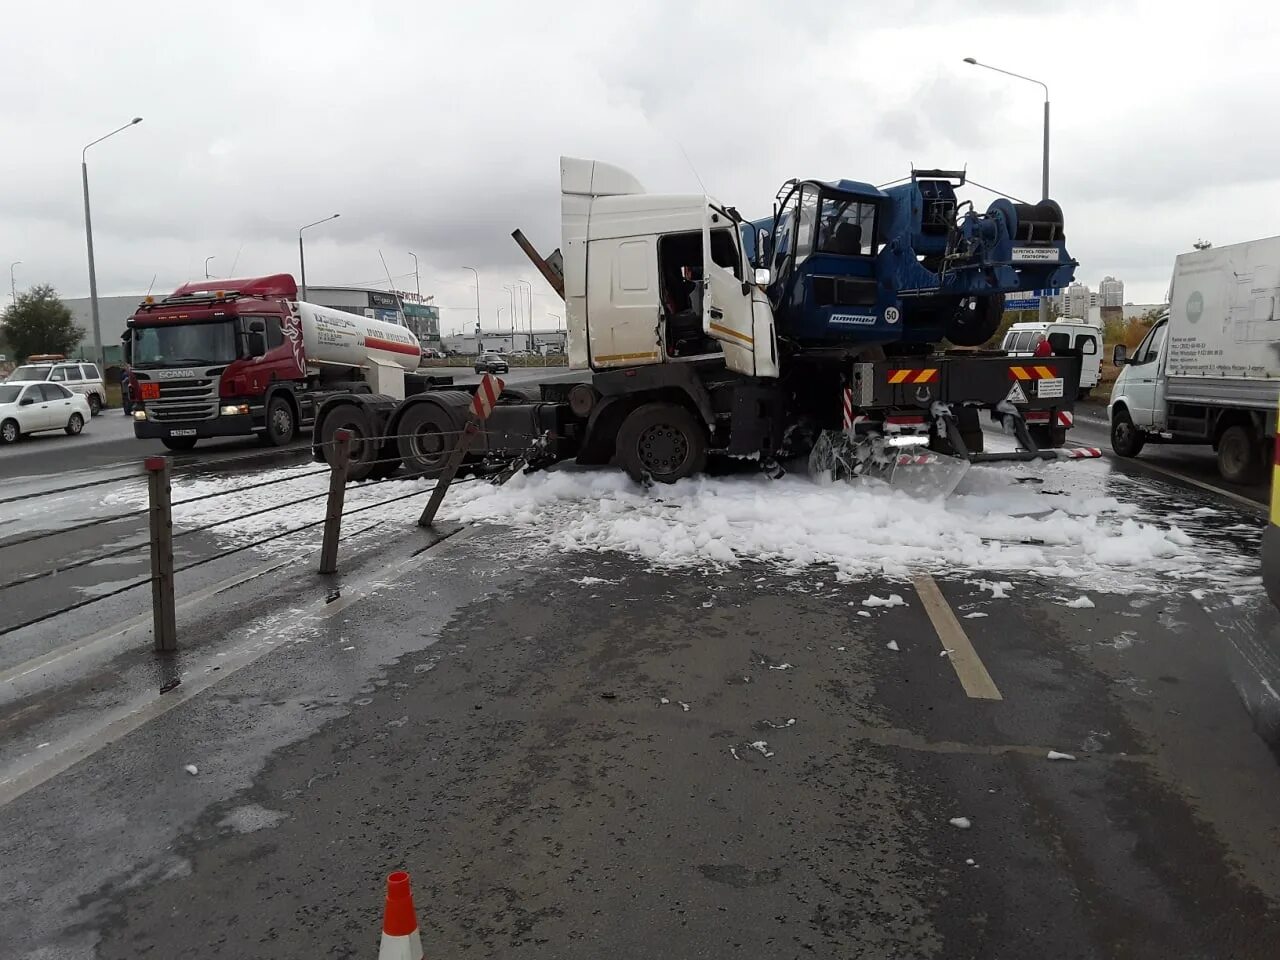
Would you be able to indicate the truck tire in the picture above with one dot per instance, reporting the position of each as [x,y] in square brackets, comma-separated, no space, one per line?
[663,442]
[179,443]
[1240,455]
[1047,437]
[281,426]
[1126,439]
[364,448]
[426,434]
[974,321]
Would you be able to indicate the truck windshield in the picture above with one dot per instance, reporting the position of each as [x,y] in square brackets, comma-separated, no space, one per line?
[847,226]
[184,343]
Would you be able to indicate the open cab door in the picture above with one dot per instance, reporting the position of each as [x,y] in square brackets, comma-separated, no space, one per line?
[734,310]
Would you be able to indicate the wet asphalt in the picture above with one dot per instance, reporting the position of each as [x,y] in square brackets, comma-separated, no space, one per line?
[493,720]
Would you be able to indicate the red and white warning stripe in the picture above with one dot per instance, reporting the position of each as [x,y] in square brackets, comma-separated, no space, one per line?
[846,420]
[1064,419]
[1078,453]
[486,396]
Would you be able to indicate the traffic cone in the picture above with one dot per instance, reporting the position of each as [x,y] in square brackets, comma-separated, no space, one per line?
[400,939]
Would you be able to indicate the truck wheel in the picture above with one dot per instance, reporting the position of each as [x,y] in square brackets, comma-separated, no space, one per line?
[364,448]
[662,441]
[1239,455]
[179,443]
[95,404]
[974,321]
[1047,437]
[281,426]
[427,434]
[1126,439]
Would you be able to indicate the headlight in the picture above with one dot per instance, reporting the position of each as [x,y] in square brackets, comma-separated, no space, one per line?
[235,409]
[139,414]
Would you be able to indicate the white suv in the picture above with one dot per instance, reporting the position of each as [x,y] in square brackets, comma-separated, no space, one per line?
[82,378]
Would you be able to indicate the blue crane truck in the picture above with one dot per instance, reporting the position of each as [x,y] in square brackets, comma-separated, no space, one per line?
[698,334]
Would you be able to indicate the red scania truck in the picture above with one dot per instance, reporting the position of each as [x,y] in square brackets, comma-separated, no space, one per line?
[227,358]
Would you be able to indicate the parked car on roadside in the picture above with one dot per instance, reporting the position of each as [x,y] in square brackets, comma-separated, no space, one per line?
[492,363]
[32,407]
[79,378]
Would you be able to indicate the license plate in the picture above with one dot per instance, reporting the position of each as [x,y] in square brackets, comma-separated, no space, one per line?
[1040,254]
[149,391]
[182,433]
[1049,388]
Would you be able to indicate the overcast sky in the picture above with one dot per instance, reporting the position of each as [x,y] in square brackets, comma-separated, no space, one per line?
[437,127]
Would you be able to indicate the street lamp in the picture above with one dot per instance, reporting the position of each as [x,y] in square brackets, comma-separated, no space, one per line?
[88,236]
[13,286]
[302,259]
[206,266]
[1044,159]
[529,315]
[416,285]
[477,273]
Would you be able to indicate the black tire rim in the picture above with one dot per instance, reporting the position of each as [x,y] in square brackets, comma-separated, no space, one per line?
[662,449]
[10,433]
[428,444]
[77,423]
[1234,454]
[281,421]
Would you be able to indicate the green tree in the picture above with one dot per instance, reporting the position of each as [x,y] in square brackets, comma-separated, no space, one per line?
[40,323]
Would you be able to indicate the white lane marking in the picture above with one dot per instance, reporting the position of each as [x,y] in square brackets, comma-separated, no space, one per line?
[956,646]
[15,782]
[1253,505]
[103,637]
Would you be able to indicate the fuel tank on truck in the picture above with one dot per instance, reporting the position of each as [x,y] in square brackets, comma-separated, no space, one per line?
[332,336]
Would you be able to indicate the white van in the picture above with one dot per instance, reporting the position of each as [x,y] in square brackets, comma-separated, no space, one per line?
[1064,336]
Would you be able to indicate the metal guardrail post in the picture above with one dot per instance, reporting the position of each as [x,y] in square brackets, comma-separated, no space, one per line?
[469,433]
[337,496]
[160,511]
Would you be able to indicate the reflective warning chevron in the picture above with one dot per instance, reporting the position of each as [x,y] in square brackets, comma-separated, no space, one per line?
[1032,373]
[486,396]
[908,375]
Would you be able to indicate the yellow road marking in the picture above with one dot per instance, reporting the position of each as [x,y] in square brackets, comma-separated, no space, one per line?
[733,333]
[964,659]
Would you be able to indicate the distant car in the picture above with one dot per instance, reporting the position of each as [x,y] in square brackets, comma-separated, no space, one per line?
[32,407]
[81,378]
[492,363]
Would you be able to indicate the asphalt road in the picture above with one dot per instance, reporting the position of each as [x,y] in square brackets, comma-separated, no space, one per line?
[576,754]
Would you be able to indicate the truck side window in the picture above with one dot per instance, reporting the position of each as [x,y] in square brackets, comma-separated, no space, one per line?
[73,373]
[724,251]
[785,237]
[275,336]
[1150,348]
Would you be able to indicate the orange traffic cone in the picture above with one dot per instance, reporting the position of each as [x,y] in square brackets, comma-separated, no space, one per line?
[400,939]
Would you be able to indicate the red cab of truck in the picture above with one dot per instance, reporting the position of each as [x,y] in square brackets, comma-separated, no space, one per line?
[219,358]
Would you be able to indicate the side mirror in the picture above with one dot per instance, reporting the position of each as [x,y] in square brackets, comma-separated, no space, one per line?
[26,401]
[762,247]
[257,344]
[763,276]
[1119,355]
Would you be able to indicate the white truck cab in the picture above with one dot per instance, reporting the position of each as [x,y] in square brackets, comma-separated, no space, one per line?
[1064,335]
[665,275]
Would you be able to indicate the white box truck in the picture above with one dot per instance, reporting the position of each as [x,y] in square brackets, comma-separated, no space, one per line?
[1209,369]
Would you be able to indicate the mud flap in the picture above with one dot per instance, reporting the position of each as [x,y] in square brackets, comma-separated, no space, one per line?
[915,471]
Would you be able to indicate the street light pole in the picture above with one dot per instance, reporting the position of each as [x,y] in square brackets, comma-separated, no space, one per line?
[302,257]
[477,273]
[13,286]
[416,285]
[88,236]
[1044,157]
[529,290]
[206,266]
